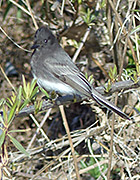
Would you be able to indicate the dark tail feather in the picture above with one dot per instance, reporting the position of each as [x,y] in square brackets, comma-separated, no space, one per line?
[101,100]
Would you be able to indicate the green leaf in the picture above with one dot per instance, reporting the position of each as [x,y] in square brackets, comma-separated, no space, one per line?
[28,90]
[1,119]
[13,97]
[90,79]
[2,101]
[24,83]
[108,86]
[34,92]
[86,75]
[24,104]
[2,137]
[18,145]
[79,1]
[33,83]
[9,103]
[12,112]
[19,98]
[38,106]
[19,93]
[113,73]
[19,14]
[136,29]
[4,114]
[7,10]
[75,44]
[95,172]
[88,17]
[19,130]
[45,92]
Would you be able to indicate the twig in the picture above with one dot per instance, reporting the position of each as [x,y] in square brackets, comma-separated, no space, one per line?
[128,168]
[39,129]
[13,41]
[124,31]
[55,5]
[136,41]
[111,145]
[30,10]
[70,140]
[81,44]
[97,162]
[82,171]
[62,8]
[99,65]
[27,12]
[69,99]
[123,57]
[20,7]
[8,79]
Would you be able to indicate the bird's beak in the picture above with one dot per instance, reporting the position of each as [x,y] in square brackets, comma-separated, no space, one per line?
[35,46]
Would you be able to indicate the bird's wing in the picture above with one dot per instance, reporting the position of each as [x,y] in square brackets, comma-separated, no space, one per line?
[68,73]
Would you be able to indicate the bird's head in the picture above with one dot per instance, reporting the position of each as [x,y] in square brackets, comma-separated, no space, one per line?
[43,38]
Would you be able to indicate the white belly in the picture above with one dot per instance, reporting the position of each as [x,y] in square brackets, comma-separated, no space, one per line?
[59,87]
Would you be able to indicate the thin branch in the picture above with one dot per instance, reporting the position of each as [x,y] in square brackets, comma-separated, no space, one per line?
[111,144]
[70,140]
[62,8]
[32,16]
[27,12]
[69,99]
[39,128]
[13,40]
[81,44]
[99,65]
[124,31]
[8,79]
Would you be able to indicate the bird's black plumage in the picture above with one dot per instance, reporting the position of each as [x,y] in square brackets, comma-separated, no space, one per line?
[55,71]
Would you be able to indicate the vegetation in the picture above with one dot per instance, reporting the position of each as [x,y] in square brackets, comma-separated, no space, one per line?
[102,37]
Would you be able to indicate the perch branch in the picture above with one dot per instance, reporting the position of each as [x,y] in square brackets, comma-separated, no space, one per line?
[69,99]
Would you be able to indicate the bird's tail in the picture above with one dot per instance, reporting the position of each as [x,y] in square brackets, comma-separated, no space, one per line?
[103,101]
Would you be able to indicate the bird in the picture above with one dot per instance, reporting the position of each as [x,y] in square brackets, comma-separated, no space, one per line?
[54,70]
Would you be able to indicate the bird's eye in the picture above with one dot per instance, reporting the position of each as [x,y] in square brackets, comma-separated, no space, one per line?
[46,40]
